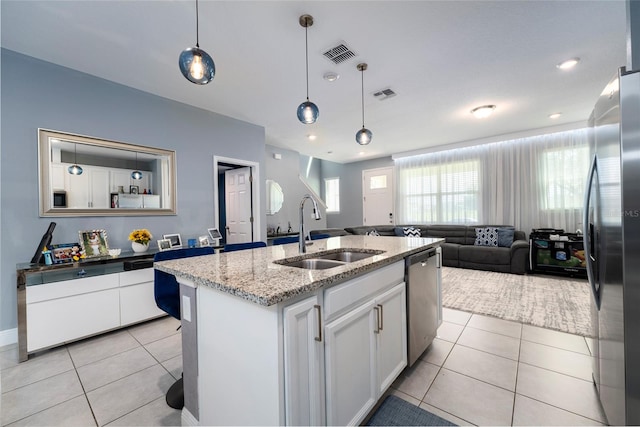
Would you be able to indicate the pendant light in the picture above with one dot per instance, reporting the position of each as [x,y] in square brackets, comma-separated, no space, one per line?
[136,174]
[74,169]
[307,111]
[196,64]
[364,135]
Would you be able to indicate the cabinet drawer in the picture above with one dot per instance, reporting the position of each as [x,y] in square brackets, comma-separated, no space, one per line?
[134,277]
[57,321]
[341,297]
[137,303]
[71,287]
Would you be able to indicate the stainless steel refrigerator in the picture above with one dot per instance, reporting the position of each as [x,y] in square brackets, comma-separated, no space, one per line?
[612,245]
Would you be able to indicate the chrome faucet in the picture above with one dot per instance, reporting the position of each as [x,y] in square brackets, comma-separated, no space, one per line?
[316,214]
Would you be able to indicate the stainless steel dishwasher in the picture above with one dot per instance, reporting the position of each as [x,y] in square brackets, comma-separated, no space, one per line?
[424,302]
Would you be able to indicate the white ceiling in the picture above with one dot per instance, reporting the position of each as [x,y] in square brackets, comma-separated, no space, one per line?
[442,58]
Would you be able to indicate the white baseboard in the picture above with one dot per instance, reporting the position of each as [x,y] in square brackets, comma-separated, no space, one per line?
[8,336]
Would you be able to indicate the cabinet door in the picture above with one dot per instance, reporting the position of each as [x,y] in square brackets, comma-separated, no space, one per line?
[391,313]
[137,300]
[350,366]
[99,182]
[78,190]
[303,363]
[57,176]
[119,178]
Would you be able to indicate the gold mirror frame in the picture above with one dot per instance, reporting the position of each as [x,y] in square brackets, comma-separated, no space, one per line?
[112,153]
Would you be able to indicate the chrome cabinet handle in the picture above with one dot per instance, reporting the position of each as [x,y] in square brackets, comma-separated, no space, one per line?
[381,318]
[319,313]
[377,329]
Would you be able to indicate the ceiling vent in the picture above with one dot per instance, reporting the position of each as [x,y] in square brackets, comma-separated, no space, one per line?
[384,94]
[339,53]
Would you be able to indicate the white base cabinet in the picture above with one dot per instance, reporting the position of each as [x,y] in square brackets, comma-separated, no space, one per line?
[366,349]
[321,359]
[69,310]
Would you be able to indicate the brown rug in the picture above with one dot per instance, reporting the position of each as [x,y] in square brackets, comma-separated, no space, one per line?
[558,303]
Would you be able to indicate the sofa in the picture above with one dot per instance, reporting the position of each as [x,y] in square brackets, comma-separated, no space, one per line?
[459,248]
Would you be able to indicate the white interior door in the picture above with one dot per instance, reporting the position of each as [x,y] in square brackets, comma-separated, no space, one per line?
[237,187]
[377,192]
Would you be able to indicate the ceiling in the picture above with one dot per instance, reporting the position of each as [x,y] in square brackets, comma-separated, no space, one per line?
[442,58]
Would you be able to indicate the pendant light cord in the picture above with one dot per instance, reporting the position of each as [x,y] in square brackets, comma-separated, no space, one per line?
[197,27]
[362,97]
[306,54]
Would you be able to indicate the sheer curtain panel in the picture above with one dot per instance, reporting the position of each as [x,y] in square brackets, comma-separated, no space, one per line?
[531,182]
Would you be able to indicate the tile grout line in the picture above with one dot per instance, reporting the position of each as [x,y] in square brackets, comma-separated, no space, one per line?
[84,391]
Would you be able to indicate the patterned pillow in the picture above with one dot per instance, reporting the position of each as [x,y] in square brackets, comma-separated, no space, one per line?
[373,232]
[487,236]
[411,232]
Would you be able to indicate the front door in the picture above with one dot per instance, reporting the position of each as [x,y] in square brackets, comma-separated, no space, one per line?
[237,184]
[377,202]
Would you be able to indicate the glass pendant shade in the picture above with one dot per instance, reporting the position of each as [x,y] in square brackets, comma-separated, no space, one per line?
[136,175]
[363,136]
[197,66]
[308,112]
[75,170]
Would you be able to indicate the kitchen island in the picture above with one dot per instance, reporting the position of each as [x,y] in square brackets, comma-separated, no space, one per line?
[271,344]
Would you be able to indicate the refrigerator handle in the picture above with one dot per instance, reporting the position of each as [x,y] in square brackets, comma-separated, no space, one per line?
[588,235]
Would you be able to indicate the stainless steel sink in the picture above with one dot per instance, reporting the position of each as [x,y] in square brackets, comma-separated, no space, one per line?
[347,256]
[314,263]
[323,261]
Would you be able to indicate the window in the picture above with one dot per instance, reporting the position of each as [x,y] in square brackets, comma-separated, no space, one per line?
[445,193]
[332,194]
[562,178]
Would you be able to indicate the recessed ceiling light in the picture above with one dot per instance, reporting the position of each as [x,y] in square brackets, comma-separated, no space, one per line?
[554,115]
[311,137]
[569,63]
[331,77]
[361,153]
[483,111]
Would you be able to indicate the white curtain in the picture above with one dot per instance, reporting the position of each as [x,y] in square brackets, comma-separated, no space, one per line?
[534,182]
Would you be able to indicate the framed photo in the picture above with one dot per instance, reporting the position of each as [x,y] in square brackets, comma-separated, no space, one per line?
[164,244]
[115,202]
[214,234]
[176,241]
[64,252]
[204,241]
[133,189]
[94,242]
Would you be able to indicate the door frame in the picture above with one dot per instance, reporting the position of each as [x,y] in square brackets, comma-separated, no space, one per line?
[255,192]
[393,190]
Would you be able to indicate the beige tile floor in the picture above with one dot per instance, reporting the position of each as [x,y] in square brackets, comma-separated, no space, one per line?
[480,370]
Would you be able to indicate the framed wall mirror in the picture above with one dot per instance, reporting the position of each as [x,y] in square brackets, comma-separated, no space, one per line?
[275,197]
[87,176]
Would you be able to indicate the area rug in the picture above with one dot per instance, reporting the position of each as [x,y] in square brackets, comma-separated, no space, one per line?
[562,304]
[397,412]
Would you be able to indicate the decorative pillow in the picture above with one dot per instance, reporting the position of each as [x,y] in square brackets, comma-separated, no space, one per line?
[487,236]
[505,236]
[373,232]
[411,232]
[398,231]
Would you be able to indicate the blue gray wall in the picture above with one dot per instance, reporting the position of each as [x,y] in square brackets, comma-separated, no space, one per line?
[286,172]
[350,175]
[40,94]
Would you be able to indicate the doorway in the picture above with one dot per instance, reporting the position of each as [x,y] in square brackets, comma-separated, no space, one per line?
[236,199]
[378,197]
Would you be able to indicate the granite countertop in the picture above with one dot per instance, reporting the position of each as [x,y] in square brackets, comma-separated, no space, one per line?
[252,274]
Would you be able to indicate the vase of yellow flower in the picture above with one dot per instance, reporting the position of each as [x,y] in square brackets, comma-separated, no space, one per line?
[140,240]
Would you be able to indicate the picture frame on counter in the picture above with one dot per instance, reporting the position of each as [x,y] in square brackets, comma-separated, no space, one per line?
[164,244]
[214,234]
[204,241]
[175,239]
[94,242]
[134,189]
[63,253]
